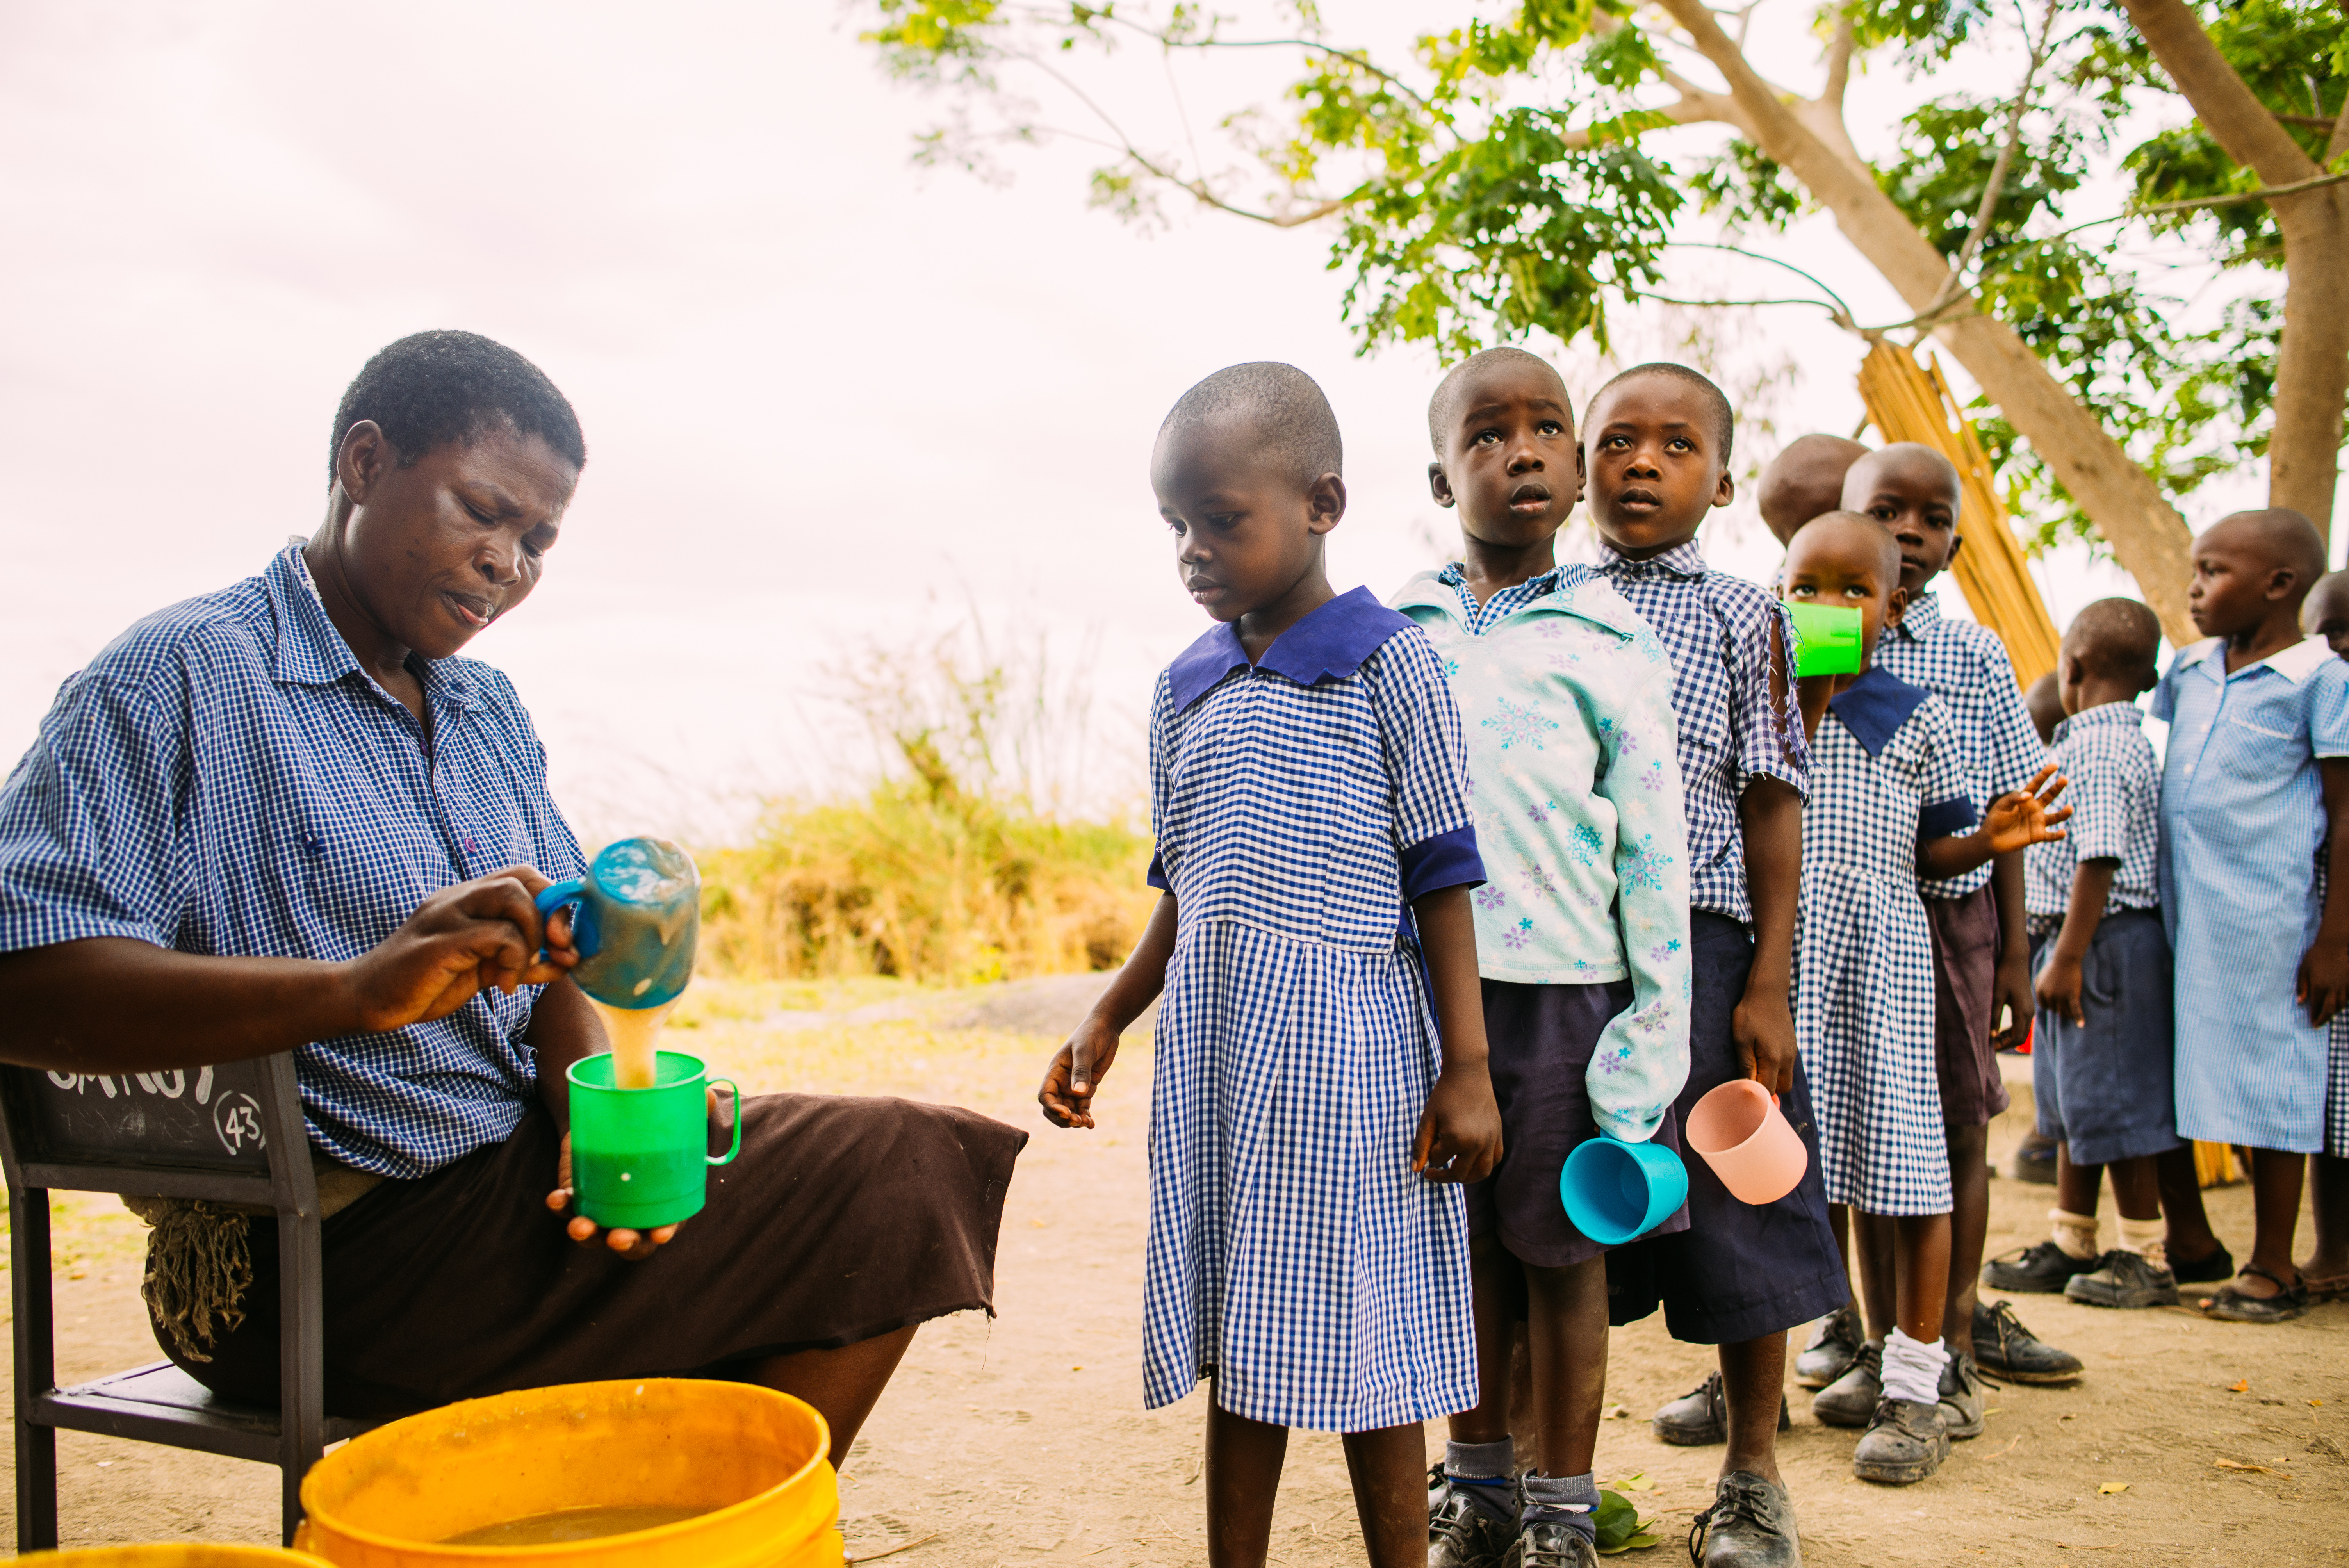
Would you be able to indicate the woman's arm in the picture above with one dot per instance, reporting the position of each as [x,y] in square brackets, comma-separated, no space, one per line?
[114,1003]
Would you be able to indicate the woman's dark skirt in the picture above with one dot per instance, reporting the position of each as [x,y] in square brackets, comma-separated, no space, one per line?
[842,1220]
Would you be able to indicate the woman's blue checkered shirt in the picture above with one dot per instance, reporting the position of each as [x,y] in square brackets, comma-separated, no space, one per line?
[224,778]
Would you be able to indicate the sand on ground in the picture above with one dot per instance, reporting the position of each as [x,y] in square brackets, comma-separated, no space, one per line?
[1022,1439]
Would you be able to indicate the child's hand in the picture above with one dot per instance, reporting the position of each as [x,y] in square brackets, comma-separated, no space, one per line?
[2058,989]
[2018,820]
[1460,1132]
[1075,1074]
[2323,982]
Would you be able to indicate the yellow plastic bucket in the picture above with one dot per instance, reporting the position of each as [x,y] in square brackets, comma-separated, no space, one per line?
[752,1459]
[178,1555]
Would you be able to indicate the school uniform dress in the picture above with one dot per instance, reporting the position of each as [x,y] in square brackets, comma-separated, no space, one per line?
[1886,776]
[2243,823]
[1300,804]
[1738,1272]
[2103,1086]
[225,778]
[1966,666]
[1566,698]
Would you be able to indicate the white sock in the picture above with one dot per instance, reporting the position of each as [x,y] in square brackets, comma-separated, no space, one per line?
[2146,1238]
[2075,1233]
[1912,1370]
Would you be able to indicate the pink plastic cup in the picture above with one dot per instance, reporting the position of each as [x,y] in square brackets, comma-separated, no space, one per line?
[1739,1132]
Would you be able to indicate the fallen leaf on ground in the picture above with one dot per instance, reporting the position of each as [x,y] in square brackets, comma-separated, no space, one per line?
[2110,1487]
[2318,1403]
[2240,1385]
[2238,1465]
[1636,1481]
[1618,1413]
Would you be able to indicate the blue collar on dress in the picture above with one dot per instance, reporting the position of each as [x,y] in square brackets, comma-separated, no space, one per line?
[1333,640]
[311,652]
[1876,706]
[2103,714]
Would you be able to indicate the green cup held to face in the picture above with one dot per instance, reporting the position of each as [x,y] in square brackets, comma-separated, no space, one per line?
[1826,640]
[638,1156]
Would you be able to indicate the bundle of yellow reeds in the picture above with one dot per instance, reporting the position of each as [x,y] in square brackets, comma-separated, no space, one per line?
[1910,402]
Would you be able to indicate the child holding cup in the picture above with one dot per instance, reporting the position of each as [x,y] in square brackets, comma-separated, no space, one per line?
[1891,802]
[1581,935]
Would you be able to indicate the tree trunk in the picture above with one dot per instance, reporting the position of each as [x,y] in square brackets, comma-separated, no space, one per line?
[2313,364]
[2147,534]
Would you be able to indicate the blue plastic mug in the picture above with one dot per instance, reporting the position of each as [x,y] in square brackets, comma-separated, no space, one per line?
[1615,1191]
[637,922]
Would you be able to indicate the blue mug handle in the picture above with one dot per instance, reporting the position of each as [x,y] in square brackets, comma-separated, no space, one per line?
[565,892]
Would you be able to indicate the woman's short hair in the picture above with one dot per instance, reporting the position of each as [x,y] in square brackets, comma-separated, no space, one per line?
[431,388]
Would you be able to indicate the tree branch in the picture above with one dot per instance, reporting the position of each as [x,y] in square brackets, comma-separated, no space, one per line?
[2338,142]
[1840,53]
[2000,167]
[2264,193]
[2245,128]
[1352,56]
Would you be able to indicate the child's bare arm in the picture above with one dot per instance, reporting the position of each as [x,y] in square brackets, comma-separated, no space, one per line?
[1460,1132]
[2058,985]
[1077,1068]
[1770,819]
[2014,821]
[2011,994]
[2324,987]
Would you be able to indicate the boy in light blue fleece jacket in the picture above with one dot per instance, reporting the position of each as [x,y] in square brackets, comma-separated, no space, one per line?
[1582,933]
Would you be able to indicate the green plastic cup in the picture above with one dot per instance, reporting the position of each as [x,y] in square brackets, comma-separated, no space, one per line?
[639,1156]
[1826,640]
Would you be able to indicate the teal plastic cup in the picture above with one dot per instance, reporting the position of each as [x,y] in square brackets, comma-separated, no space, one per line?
[639,1157]
[636,920]
[1826,640]
[1615,1191]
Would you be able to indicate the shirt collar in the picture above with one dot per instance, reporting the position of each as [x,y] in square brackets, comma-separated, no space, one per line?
[1577,591]
[1333,640]
[1874,707]
[1924,613]
[2102,716]
[1681,561]
[311,652]
[2295,664]
[1455,575]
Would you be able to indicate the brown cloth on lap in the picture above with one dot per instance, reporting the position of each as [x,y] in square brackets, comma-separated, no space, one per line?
[844,1219]
[1965,969]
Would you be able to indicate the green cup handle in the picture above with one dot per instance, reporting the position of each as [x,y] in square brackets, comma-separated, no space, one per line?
[727,1157]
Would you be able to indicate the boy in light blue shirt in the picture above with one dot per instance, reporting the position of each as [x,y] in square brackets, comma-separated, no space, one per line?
[1565,697]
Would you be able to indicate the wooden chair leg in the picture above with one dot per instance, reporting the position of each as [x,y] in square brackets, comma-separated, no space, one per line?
[301,1359]
[37,1370]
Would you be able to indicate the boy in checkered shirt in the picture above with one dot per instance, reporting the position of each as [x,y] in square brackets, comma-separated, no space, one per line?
[1655,455]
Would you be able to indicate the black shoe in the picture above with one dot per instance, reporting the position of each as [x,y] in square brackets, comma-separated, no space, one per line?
[1962,1397]
[1700,1416]
[1551,1546]
[2005,1350]
[1903,1444]
[2035,1161]
[1462,1532]
[2124,1279]
[1852,1398]
[2211,1268]
[1751,1524]
[1833,1346]
[2043,1270]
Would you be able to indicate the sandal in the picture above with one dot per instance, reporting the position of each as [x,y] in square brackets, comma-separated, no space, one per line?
[2325,1287]
[2232,1306]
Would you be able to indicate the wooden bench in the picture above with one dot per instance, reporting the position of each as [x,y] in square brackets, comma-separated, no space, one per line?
[228,1134]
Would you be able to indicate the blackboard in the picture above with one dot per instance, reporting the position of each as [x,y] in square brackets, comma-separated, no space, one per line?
[204,1118]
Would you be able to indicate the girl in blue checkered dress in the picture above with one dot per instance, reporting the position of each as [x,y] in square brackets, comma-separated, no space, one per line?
[1307,1246]
[1890,803]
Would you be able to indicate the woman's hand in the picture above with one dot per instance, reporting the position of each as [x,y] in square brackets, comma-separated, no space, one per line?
[1075,1074]
[1460,1132]
[461,941]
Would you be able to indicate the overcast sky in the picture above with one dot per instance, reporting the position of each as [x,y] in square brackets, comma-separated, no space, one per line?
[833,401]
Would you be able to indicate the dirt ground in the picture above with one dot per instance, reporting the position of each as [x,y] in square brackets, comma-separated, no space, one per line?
[1022,1440]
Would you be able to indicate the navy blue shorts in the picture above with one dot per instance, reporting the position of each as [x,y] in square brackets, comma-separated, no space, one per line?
[1540,1039]
[1739,1271]
[2104,1087]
